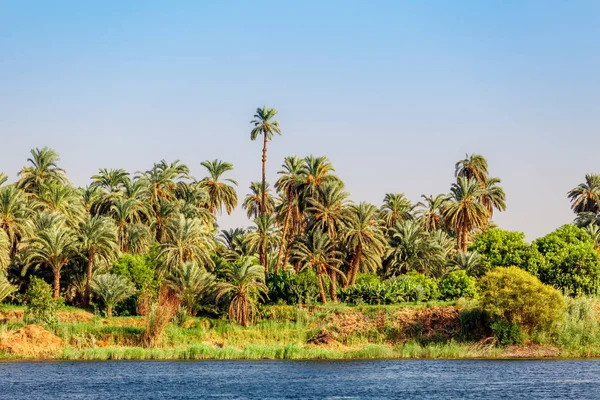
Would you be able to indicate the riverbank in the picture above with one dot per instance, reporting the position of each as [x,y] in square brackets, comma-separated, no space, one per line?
[336,332]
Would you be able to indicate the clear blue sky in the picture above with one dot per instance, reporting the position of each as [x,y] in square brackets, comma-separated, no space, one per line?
[394,93]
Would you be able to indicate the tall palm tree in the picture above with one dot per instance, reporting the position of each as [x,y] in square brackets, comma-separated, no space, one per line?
[53,248]
[331,215]
[586,196]
[14,214]
[187,241]
[287,185]
[43,168]
[317,173]
[264,238]
[222,194]
[253,201]
[110,180]
[430,211]
[3,178]
[464,210]
[493,196]
[62,199]
[245,284]
[126,212]
[473,166]
[365,237]
[236,244]
[98,241]
[316,251]
[265,126]
[4,252]
[396,208]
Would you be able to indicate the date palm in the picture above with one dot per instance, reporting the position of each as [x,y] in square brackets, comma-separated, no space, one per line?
[464,210]
[3,178]
[14,215]
[62,199]
[594,231]
[43,168]
[190,282]
[396,207]
[53,248]
[586,196]
[126,212]
[4,252]
[364,237]
[244,286]
[6,289]
[471,262]
[113,289]
[316,251]
[263,238]
[221,193]
[264,125]
[430,211]
[473,166]
[317,173]
[253,201]
[493,196]
[110,180]
[98,242]
[187,241]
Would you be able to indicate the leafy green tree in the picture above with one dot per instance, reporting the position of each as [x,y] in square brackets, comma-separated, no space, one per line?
[42,306]
[265,126]
[586,196]
[113,289]
[457,284]
[244,286]
[570,261]
[221,193]
[464,210]
[501,248]
[98,242]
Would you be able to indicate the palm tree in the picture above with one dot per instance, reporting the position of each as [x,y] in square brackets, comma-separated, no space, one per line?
[187,241]
[316,174]
[113,289]
[6,289]
[316,251]
[594,231]
[221,194]
[163,215]
[126,212]
[264,238]
[236,244]
[62,199]
[3,178]
[43,168]
[190,282]
[245,284]
[365,237]
[4,251]
[464,210]
[14,214]
[430,212]
[586,196]
[110,180]
[98,241]
[396,208]
[287,185]
[253,201]
[471,262]
[411,248]
[263,125]
[54,248]
[493,196]
[473,166]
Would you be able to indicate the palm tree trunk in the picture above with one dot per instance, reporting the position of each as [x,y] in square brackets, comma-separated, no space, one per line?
[88,279]
[353,270]
[321,287]
[284,234]
[356,267]
[264,176]
[108,311]
[462,240]
[263,257]
[56,292]
[333,277]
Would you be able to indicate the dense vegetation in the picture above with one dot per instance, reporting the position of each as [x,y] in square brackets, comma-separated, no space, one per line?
[148,243]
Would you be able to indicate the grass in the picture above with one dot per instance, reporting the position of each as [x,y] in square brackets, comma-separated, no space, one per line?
[283,334]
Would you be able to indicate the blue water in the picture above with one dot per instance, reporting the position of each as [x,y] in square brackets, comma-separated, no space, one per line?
[302,380]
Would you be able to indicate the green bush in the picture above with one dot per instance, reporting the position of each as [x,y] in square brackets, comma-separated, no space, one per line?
[457,284]
[411,287]
[507,333]
[291,288]
[580,326]
[140,269]
[570,261]
[517,297]
[41,306]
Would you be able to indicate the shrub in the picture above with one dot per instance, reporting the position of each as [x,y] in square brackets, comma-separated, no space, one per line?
[139,269]
[290,288]
[113,289]
[41,306]
[570,261]
[507,333]
[457,284]
[161,312]
[580,326]
[517,297]
[405,288]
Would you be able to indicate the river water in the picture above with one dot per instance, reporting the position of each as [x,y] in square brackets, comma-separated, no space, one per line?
[410,379]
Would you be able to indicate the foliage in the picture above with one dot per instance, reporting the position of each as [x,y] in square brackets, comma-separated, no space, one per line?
[41,305]
[507,333]
[160,314]
[570,261]
[515,296]
[457,284]
[291,288]
[6,289]
[113,289]
[191,284]
[501,248]
[580,326]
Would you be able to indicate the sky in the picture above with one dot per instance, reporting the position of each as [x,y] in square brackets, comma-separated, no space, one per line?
[392,92]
